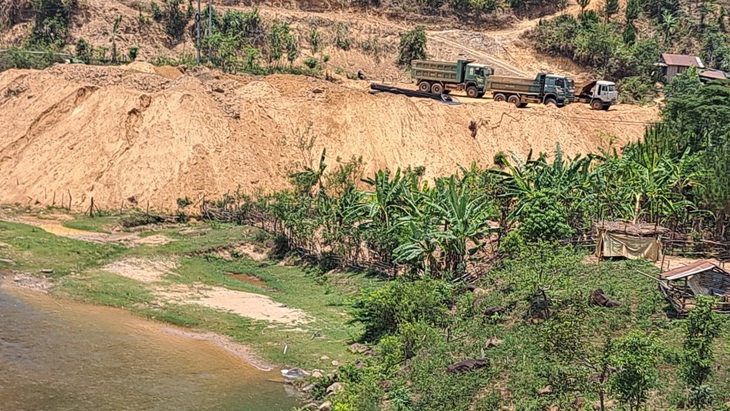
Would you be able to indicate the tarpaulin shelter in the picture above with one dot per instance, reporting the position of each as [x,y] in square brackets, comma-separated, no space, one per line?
[632,241]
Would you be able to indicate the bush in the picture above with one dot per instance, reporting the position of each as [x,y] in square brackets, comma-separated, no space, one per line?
[412,46]
[51,24]
[342,36]
[311,62]
[175,19]
[156,12]
[84,51]
[17,58]
[133,52]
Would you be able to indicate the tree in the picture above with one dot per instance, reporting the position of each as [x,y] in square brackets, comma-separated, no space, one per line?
[315,40]
[635,357]
[610,8]
[83,51]
[113,37]
[412,46]
[701,330]
[583,5]
[175,18]
[633,8]
[51,23]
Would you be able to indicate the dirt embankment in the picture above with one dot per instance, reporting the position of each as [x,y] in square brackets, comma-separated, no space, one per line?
[150,134]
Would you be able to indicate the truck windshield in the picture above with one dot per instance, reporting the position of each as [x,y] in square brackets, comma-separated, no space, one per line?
[559,83]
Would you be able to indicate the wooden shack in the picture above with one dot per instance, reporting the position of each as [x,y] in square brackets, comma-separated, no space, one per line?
[627,240]
[683,284]
[673,64]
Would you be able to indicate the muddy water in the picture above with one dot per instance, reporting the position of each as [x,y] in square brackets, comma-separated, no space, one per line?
[60,355]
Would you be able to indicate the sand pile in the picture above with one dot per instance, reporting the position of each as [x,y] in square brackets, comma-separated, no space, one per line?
[118,134]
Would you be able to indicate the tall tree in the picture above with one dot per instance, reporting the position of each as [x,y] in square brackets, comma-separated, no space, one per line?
[583,5]
[610,8]
[701,329]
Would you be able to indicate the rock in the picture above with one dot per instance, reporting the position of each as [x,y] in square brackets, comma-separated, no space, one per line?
[334,388]
[335,363]
[324,358]
[492,342]
[294,374]
[598,297]
[326,406]
[491,311]
[358,348]
[467,365]
[308,388]
[316,374]
[480,292]
[310,406]
[545,390]
[6,261]
[47,270]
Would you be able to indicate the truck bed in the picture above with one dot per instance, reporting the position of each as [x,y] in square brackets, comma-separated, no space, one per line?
[513,84]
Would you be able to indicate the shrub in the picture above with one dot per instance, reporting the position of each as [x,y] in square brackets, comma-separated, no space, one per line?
[156,12]
[84,50]
[133,52]
[412,46]
[311,62]
[342,36]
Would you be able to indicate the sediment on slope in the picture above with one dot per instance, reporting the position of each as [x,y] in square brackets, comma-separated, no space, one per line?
[134,134]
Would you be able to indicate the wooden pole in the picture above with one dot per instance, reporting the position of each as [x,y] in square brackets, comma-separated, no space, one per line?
[69,200]
[54,199]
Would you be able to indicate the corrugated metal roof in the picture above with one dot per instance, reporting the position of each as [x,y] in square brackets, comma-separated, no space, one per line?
[682,60]
[716,74]
[688,270]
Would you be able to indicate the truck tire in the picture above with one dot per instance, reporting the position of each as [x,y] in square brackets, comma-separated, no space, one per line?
[437,88]
[551,101]
[596,104]
[514,99]
[424,86]
[472,92]
[606,107]
[499,97]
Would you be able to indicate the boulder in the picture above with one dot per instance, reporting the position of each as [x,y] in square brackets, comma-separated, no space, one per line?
[467,365]
[294,374]
[326,406]
[335,363]
[598,297]
[545,390]
[334,388]
[358,348]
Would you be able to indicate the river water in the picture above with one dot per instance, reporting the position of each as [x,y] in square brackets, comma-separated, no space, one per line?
[61,355]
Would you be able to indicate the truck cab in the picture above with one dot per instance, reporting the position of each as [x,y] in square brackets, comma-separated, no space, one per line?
[557,88]
[478,73]
[599,94]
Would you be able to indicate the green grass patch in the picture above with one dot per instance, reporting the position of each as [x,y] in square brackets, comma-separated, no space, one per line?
[105,288]
[33,249]
[96,224]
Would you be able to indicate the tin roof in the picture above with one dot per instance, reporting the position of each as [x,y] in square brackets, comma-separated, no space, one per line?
[688,270]
[714,74]
[682,60]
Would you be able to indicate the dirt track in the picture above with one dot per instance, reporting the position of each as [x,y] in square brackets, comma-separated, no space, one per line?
[118,133]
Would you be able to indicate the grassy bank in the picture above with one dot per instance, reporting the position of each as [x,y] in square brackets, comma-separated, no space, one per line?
[202,255]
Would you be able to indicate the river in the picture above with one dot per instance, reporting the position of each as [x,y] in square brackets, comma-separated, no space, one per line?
[57,354]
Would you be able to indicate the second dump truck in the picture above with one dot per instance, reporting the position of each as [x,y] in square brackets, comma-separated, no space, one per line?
[544,88]
[599,94]
[442,76]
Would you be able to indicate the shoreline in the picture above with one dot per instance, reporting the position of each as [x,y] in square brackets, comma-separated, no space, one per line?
[11,281]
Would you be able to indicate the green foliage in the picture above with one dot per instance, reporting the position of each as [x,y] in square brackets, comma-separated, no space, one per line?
[702,328]
[635,357]
[315,40]
[281,43]
[51,24]
[610,7]
[133,53]
[156,11]
[342,36]
[412,46]
[311,62]
[20,58]
[384,310]
[583,5]
[543,217]
[83,50]
[175,18]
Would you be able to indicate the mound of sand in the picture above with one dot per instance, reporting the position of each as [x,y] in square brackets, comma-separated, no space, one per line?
[113,134]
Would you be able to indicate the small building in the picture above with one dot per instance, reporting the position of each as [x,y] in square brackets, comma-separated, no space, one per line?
[682,285]
[632,241]
[673,64]
[713,74]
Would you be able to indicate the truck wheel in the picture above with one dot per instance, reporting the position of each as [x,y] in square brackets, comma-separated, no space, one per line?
[499,97]
[551,101]
[513,99]
[606,107]
[596,104]
[424,86]
[437,88]
[472,91]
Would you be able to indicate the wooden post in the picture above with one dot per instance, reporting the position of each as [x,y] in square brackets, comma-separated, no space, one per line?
[54,199]
[69,200]
[91,208]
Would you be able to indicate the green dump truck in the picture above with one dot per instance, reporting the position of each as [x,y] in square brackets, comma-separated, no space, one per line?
[544,88]
[442,76]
